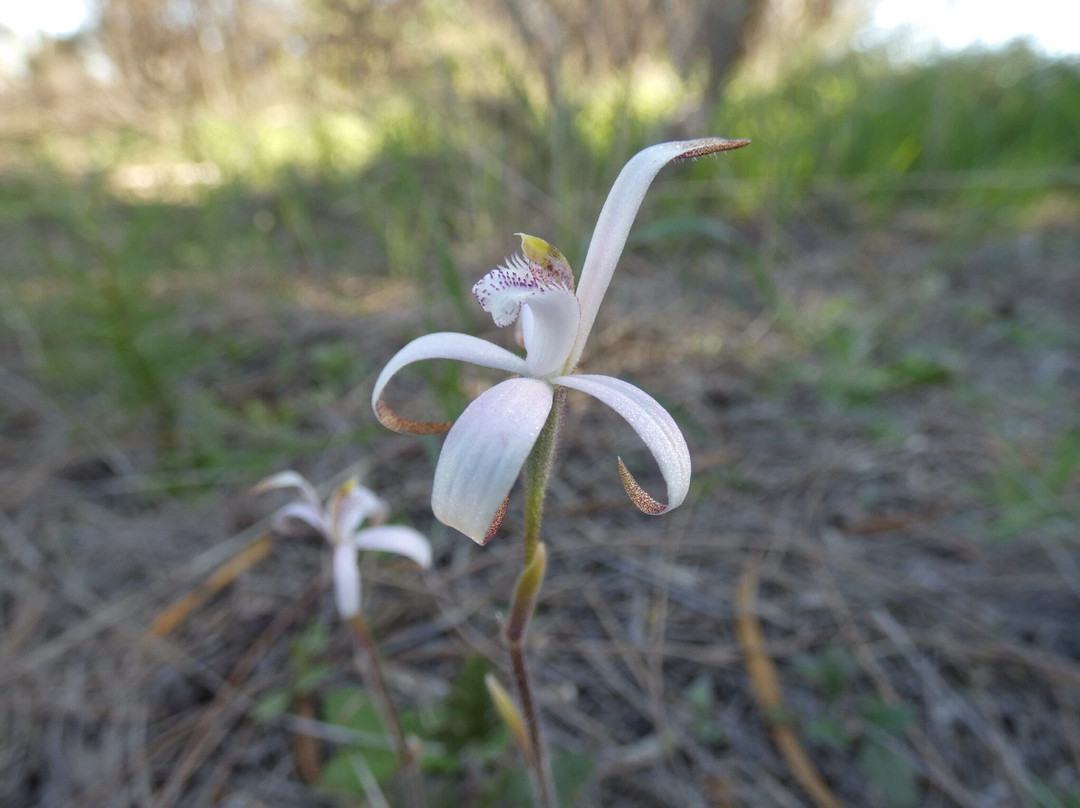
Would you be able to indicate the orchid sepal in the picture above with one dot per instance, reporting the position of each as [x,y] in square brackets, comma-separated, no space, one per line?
[444,345]
[657,430]
[618,214]
[289,479]
[398,539]
[346,573]
[484,452]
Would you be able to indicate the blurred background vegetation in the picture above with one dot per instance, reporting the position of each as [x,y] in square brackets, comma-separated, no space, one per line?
[176,153]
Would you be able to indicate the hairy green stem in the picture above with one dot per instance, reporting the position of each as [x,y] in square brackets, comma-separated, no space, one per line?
[538,471]
[372,670]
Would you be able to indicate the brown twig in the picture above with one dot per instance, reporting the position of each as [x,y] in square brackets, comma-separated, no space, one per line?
[763,681]
[170,618]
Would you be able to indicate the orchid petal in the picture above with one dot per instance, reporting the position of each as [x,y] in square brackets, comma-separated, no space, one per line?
[548,326]
[301,512]
[289,479]
[654,426]
[444,345]
[346,580]
[396,539]
[618,213]
[350,506]
[484,453]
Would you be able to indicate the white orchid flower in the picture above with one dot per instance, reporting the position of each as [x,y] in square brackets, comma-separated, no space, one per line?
[488,445]
[339,521]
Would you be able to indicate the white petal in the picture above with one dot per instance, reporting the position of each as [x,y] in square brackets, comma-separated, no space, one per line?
[484,452]
[446,345]
[652,423]
[301,512]
[548,326]
[289,479]
[618,213]
[396,539]
[350,506]
[346,580]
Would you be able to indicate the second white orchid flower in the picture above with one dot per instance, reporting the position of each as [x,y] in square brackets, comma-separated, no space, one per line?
[339,522]
[487,446]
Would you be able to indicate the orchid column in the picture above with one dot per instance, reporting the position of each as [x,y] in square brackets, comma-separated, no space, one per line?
[515,424]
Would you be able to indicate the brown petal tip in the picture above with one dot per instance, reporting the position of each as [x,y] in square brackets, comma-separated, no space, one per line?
[638,495]
[711,145]
[496,523]
[391,420]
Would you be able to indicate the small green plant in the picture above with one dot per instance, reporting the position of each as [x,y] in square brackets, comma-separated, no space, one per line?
[309,670]
[867,727]
[345,771]
[1033,491]
[852,362]
[700,697]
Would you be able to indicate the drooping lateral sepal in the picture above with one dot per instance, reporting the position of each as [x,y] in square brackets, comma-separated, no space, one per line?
[656,428]
[399,539]
[407,426]
[443,345]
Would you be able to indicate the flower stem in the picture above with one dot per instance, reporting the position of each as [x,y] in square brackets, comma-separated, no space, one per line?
[517,625]
[541,771]
[372,670]
[537,473]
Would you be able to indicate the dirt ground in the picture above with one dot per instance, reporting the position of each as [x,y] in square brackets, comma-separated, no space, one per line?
[918,582]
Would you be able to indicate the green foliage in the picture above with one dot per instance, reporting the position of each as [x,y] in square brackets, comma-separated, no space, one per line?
[570,770]
[700,697]
[890,775]
[828,731]
[855,360]
[1031,490]
[468,716]
[462,738]
[833,670]
[867,727]
[352,709]
[893,131]
[307,673]
[890,717]
[1047,796]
